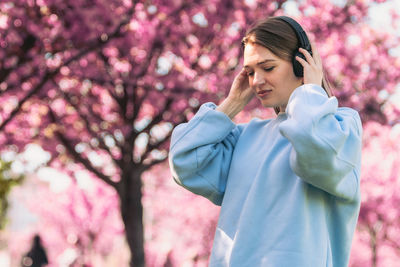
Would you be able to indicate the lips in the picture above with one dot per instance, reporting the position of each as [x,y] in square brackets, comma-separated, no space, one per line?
[263,93]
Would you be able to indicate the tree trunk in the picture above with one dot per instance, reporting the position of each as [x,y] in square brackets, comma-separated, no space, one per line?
[130,194]
[374,248]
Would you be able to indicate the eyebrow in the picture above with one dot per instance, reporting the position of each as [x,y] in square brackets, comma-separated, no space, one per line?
[261,62]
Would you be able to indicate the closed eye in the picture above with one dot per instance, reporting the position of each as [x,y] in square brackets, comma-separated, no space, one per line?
[251,73]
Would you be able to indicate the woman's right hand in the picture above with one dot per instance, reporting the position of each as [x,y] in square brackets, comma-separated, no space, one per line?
[240,91]
[239,95]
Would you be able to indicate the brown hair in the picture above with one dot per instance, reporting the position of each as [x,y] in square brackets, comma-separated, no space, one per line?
[278,36]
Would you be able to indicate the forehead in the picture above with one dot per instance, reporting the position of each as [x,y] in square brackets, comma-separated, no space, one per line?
[254,53]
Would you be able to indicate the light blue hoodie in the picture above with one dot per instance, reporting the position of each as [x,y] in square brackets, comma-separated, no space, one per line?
[288,187]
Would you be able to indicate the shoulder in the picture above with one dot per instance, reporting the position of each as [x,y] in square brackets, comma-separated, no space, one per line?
[349,114]
[346,111]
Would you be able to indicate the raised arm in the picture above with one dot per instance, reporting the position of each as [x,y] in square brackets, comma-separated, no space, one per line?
[326,141]
[201,151]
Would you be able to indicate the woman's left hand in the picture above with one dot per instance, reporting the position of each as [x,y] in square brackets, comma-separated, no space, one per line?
[313,72]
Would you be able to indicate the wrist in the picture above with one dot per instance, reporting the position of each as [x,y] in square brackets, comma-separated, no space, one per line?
[230,107]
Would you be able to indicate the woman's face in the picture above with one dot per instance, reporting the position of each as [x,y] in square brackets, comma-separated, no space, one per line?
[271,77]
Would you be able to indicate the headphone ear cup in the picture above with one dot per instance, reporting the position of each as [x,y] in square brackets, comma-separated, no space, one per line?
[297,67]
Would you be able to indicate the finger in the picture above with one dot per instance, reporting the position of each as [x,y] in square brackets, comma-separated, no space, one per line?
[302,61]
[242,77]
[307,55]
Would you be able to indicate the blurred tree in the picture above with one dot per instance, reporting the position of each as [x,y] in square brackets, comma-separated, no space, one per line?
[102,83]
[180,226]
[78,220]
[7,181]
[379,218]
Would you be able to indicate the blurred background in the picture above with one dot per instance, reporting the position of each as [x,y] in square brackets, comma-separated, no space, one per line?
[90,91]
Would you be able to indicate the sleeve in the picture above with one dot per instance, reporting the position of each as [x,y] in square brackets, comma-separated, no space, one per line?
[201,151]
[326,141]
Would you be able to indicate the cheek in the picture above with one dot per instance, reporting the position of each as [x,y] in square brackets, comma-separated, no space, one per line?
[275,79]
[284,78]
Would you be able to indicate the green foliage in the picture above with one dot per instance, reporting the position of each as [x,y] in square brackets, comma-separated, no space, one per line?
[7,181]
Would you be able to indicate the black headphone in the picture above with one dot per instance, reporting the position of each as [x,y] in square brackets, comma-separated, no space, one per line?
[303,43]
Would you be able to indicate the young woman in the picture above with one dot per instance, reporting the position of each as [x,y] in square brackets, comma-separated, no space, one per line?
[289,186]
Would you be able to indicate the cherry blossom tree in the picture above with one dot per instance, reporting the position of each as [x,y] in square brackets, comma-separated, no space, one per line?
[102,83]
[180,226]
[78,221]
[77,218]
[378,225]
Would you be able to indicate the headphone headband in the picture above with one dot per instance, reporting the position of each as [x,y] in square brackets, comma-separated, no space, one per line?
[303,43]
[300,33]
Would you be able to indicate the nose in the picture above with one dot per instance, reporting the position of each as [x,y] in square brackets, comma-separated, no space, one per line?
[258,79]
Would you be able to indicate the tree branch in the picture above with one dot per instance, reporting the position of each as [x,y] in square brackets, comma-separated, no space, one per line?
[88,128]
[122,101]
[97,43]
[150,147]
[153,162]
[78,157]
[11,87]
